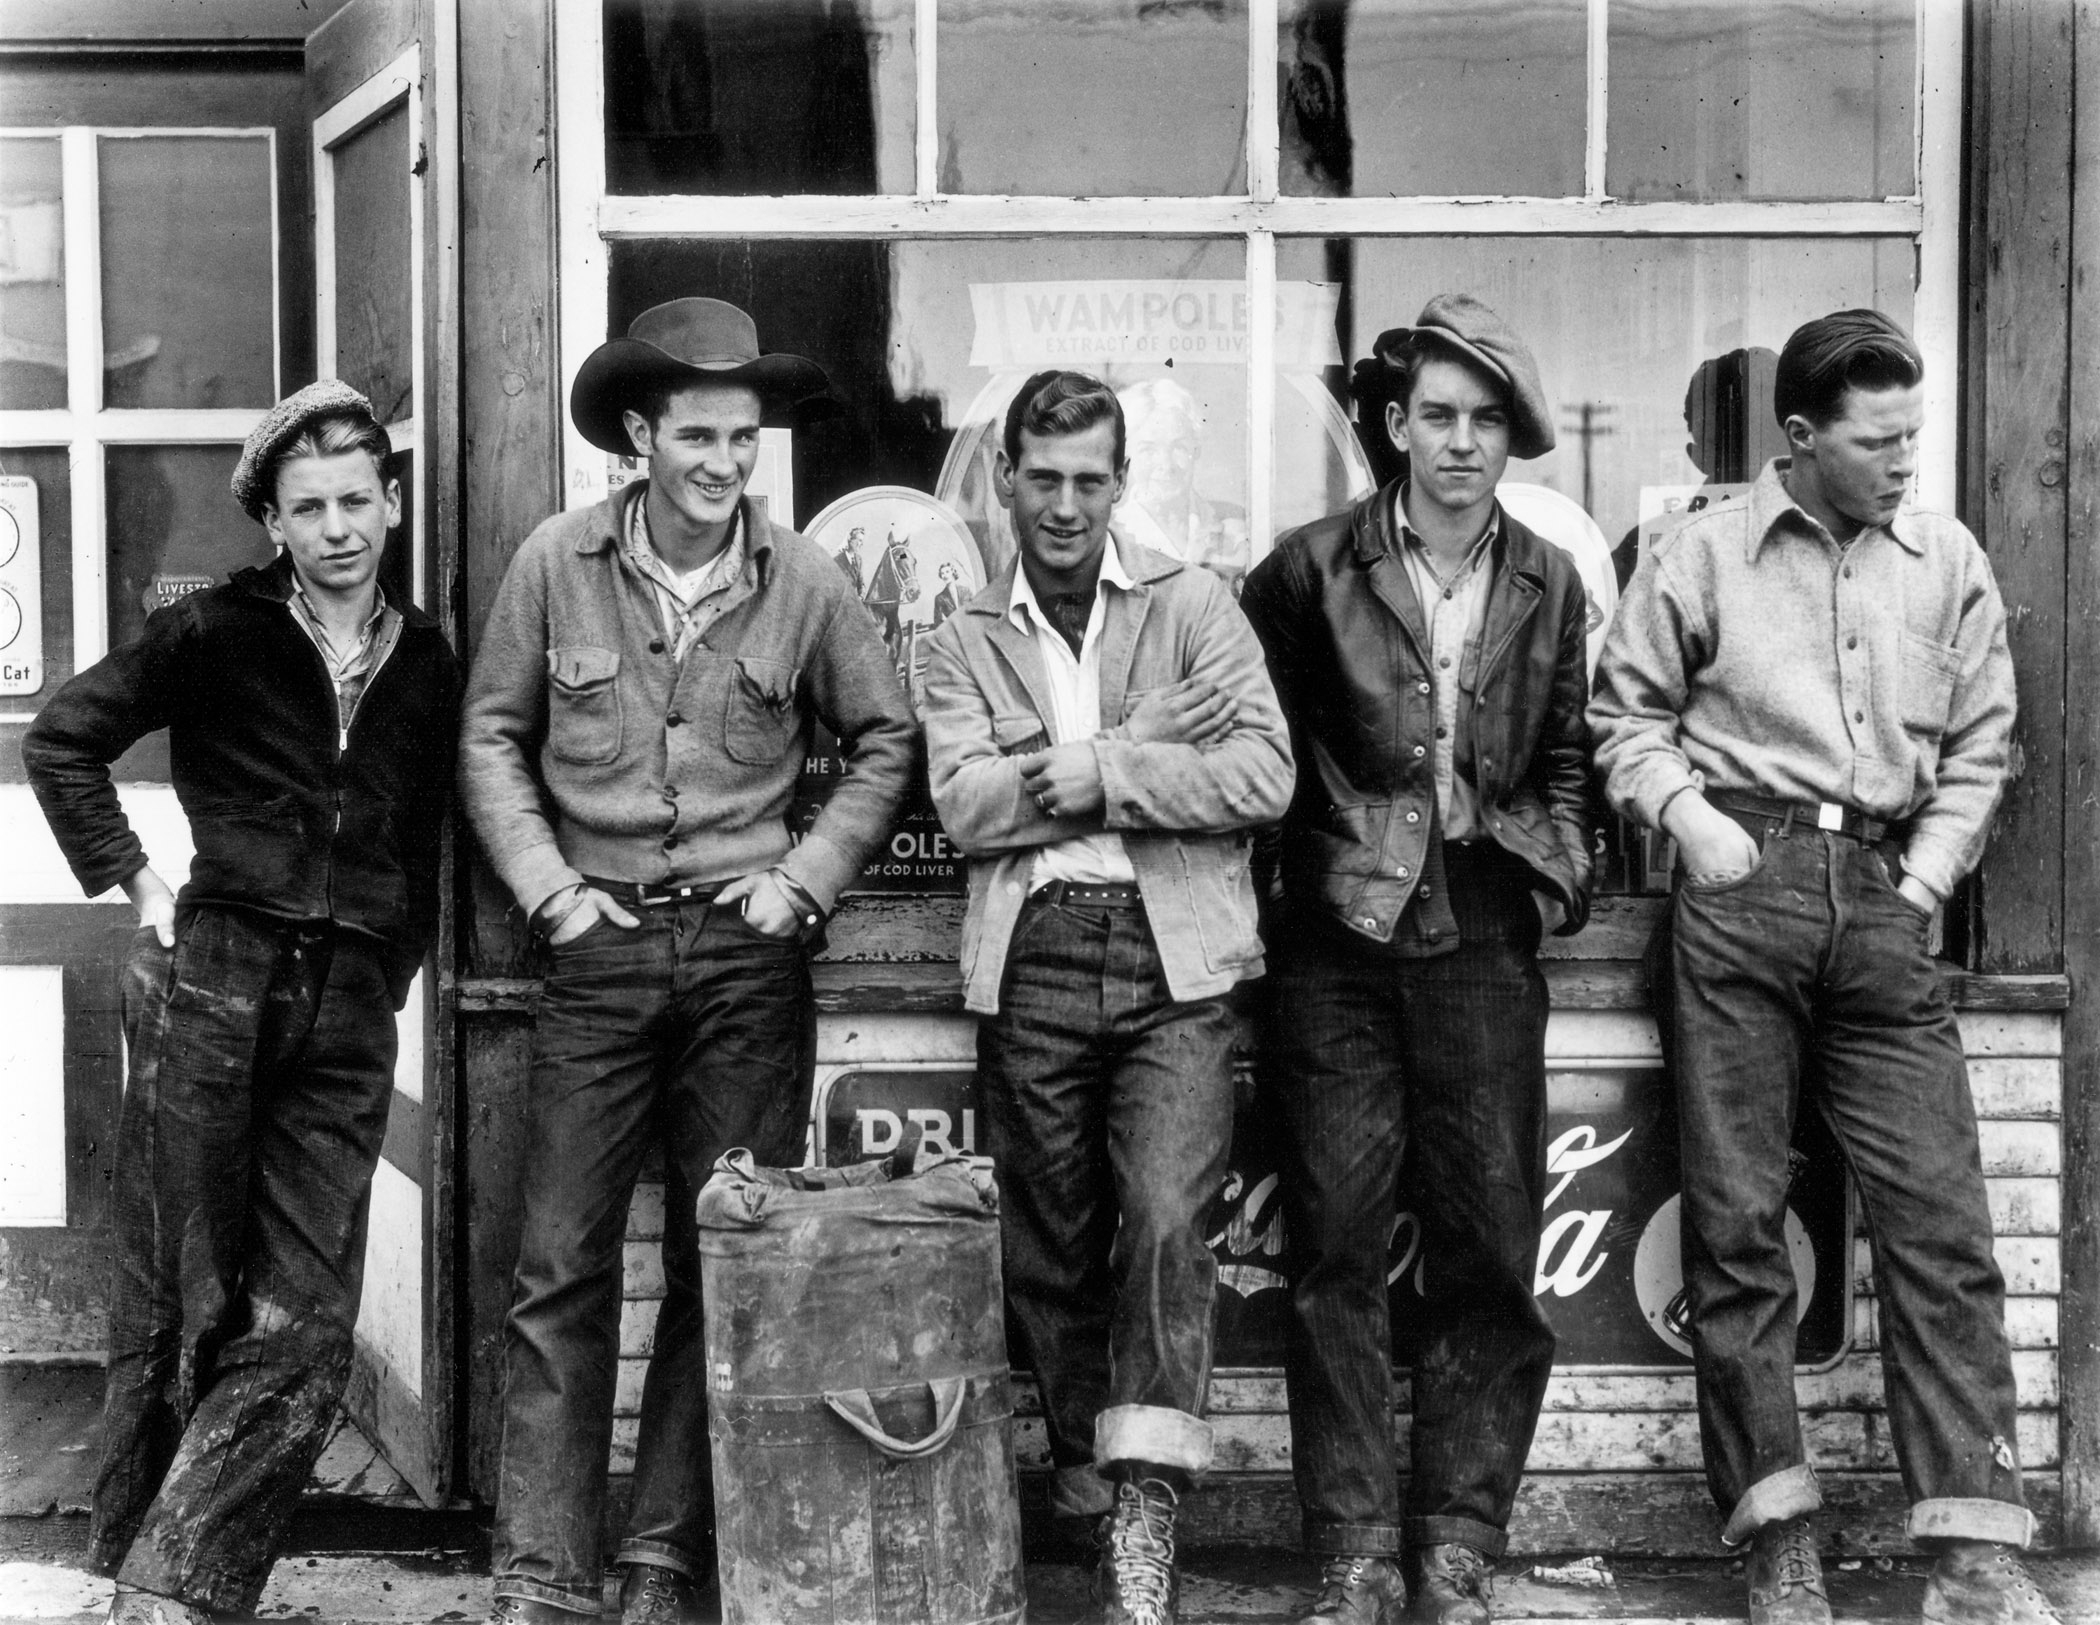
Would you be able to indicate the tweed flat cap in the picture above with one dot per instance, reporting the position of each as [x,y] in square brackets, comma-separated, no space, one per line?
[280,425]
[1465,326]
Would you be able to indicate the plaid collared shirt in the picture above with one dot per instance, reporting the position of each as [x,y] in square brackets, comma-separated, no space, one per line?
[351,669]
[688,603]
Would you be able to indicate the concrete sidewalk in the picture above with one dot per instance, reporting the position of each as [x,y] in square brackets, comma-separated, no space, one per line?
[1220,1588]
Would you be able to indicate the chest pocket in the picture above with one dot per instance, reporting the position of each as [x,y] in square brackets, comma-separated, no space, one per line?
[1929,670]
[762,717]
[583,704]
[1019,735]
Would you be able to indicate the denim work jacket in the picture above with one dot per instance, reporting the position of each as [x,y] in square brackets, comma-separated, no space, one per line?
[1349,650]
[1186,814]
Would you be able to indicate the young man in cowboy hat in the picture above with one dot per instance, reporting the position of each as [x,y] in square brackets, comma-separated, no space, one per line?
[311,725]
[1429,651]
[639,709]
[1102,738]
[1810,689]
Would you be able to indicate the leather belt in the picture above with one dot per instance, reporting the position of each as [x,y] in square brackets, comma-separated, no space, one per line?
[1832,816]
[629,894]
[1067,893]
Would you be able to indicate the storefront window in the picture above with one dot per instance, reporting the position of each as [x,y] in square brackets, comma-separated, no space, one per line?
[1391,98]
[1762,99]
[1093,98]
[32,276]
[172,529]
[373,320]
[188,260]
[759,96]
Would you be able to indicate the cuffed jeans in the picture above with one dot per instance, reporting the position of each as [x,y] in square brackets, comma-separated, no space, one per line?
[1811,971]
[692,1031]
[1108,1110]
[261,1062]
[1372,1056]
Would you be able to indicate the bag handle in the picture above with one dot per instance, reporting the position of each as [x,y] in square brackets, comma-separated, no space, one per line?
[857,1411]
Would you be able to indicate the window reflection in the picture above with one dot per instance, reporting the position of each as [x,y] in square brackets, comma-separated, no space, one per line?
[189,290]
[759,96]
[1098,98]
[1400,97]
[1762,99]
[173,528]
[32,276]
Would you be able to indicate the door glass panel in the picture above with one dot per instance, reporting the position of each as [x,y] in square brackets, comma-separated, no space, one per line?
[32,276]
[761,97]
[1098,98]
[1762,99]
[188,287]
[173,528]
[1396,97]
[374,321]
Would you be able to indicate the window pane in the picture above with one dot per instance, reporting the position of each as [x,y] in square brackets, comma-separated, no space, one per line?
[49,467]
[397,566]
[374,318]
[32,276]
[759,96]
[1098,98]
[1762,99]
[1396,97]
[188,288]
[173,527]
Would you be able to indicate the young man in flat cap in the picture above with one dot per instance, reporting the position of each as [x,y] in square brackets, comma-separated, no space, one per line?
[640,706]
[1102,739]
[1810,689]
[311,725]
[1429,652]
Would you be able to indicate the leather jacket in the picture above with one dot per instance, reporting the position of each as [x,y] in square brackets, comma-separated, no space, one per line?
[1349,652]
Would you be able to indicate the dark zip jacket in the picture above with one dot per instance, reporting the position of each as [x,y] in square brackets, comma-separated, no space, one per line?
[289,820]
[1349,651]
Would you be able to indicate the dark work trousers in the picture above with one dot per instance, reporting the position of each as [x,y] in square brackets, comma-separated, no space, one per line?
[1373,1059]
[261,1065]
[1811,971]
[695,1033]
[1108,1110]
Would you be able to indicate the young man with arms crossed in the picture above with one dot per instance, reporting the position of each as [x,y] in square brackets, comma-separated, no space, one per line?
[1809,688]
[311,725]
[640,707]
[1102,738]
[1429,652]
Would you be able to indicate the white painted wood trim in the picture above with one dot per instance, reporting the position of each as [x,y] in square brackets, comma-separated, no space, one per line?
[1596,126]
[418,400]
[579,121]
[987,216]
[156,426]
[1261,390]
[344,118]
[32,1096]
[926,130]
[1936,309]
[277,390]
[81,187]
[1264,126]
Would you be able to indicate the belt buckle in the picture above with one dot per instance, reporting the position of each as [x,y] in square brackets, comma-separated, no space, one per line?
[1831,816]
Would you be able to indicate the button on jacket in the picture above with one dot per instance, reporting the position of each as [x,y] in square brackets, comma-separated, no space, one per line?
[293,815]
[1753,649]
[588,748]
[1350,654]
[1184,813]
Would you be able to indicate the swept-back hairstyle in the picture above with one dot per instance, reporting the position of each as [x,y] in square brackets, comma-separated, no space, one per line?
[330,436]
[1848,349]
[1058,402]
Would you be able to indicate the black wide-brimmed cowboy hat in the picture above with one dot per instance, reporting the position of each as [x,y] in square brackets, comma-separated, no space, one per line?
[684,342]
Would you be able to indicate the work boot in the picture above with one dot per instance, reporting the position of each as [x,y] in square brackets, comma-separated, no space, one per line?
[1450,1585]
[1359,1589]
[1980,1582]
[1785,1576]
[531,1611]
[131,1606]
[654,1595]
[1136,1582]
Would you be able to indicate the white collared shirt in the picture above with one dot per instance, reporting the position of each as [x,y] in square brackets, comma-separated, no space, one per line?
[1075,704]
[688,601]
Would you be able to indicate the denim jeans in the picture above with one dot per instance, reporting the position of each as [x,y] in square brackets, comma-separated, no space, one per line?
[261,1065]
[1810,975]
[1108,1110]
[1374,1059]
[690,1031]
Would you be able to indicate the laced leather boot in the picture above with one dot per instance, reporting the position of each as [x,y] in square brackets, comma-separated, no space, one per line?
[1136,1582]
[1785,1576]
[1359,1589]
[654,1595]
[1450,1585]
[1980,1582]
